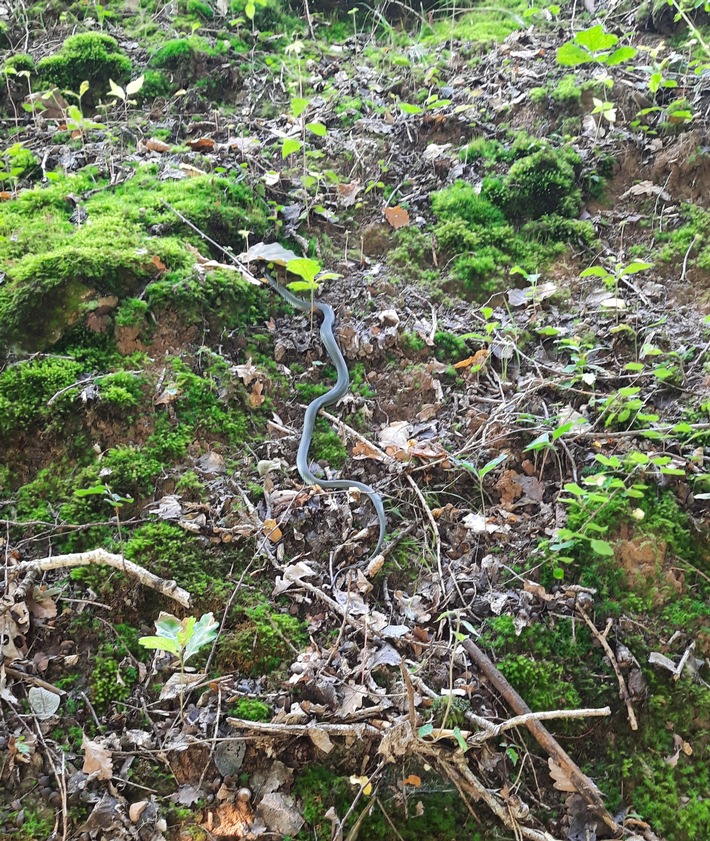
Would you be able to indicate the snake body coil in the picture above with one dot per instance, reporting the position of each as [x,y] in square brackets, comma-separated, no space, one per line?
[332,396]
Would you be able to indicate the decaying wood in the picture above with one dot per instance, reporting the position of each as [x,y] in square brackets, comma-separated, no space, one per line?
[544,738]
[101,557]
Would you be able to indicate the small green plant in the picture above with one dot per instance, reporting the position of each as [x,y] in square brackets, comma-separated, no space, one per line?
[594,45]
[183,639]
[116,501]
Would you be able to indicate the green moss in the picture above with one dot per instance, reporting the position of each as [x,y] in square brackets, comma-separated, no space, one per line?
[26,388]
[327,446]
[156,84]
[692,237]
[411,343]
[461,201]
[20,62]
[567,93]
[86,57]
[111,682]
[169,551]
[440,814]
[543,184]
[251,710]
[55,271]
[262,642]
[448,347]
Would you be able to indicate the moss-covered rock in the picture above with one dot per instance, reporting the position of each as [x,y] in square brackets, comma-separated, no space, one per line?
[58,275]
[91,57]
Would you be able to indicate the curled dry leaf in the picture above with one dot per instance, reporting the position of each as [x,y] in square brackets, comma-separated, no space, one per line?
[155,145]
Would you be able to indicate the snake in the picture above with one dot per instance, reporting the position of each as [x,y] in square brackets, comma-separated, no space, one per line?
[332,396]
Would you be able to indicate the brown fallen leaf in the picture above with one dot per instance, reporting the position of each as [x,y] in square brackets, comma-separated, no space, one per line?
[413,780]
[363,450]
[155,145]
[97,759]
[272,531]
[347,193]
[201,144]
[397,217]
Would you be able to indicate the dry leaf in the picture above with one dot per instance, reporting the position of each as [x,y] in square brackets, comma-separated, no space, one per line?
[257,397]
[97,759]
[397,217]
[347,193]
[155,145]
[363,450]
[320,739]
[413,780]
[561,781]
[135,810]
[158,263]
[201,144]
[272,531]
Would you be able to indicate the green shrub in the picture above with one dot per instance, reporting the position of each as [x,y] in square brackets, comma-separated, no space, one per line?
[87,57]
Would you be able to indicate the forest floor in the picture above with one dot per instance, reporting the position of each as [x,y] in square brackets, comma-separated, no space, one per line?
[509,210]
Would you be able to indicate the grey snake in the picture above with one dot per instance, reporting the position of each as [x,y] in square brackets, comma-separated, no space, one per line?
[332,396]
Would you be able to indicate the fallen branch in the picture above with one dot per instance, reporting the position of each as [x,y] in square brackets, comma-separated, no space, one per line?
[358,729]
[167,587]
[544,738]
[604,642]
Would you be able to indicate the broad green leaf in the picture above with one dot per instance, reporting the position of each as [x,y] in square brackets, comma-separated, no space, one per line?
[302,285]
[204,631]
[83,88]
[672,471]
[548,331]
[573,488]
[492,464]
[93,491]
[541,442]
[595,271]
[299,105]
[654,82]
[250,9]
[291,145]
[634,366]
[317,128]
[558,573]
[570,55]
[595,39]
[116,90]
[425,730]
[161,643]
[562,430]
[410,109]
[168,626]
[304,267]
[134,86]
[636,266]
[601,547]
[620,56]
